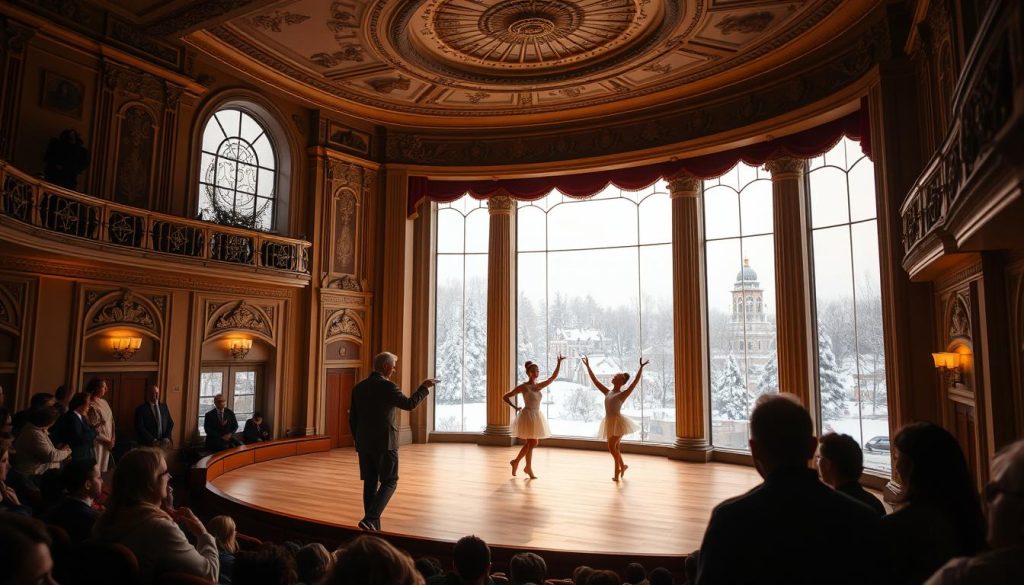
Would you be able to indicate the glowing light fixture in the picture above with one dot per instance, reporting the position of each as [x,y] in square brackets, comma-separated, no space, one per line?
[950,364]
[240,348]
[125,347]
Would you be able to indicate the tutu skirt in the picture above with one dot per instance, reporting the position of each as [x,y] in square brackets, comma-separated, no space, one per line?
[617,425]
[530,424]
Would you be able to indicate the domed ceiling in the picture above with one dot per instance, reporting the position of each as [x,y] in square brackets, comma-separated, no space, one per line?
[519,61]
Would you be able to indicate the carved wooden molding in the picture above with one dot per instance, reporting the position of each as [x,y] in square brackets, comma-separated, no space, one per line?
[345,322]
[958,325]
[12,295]
[240,315]
[684,186]
[106,309]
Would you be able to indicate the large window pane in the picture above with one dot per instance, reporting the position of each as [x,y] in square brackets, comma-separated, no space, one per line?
[851,353]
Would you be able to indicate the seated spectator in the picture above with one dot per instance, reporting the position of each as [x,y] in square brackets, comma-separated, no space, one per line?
[940,516]
[24,551]
[471,558]
[527,568]
[369,560]
[312,563]
[39,399]
[223,530]
[581,574]
[635,574]
[792,528]
[6,425]
[75,429]
[135,519]
[429,567]
[75,513]
[659,576]
[220,426]
[9,500]
[604,578]
[35,450]
[840,464]
[1004,496]
[60,400]
[270,564]
[256,431]
[153,422]
[690,567]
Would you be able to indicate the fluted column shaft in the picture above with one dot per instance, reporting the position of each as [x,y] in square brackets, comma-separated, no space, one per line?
[500,326]
[688,304]
[395,304]
[794,339]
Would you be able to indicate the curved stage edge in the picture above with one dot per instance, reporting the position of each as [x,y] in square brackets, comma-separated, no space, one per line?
[265,522]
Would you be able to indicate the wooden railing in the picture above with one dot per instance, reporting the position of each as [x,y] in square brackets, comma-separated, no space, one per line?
[55,209]
[983,112]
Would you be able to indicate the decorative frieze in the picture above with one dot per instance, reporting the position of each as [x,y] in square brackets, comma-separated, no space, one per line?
[244,316]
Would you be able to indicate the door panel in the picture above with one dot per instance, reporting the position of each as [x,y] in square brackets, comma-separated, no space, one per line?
[338,400]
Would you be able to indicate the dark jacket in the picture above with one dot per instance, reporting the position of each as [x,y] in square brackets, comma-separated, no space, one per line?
[855,491]
[145,423]
[921,538]
[74,516]
[372,415]
[793,530]
[214,429]
[78,434]
[255,434]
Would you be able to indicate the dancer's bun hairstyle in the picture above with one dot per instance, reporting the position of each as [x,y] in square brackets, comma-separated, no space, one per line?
[529,365]
[626,374]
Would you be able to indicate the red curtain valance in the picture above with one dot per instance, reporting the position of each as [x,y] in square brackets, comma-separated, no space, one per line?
[806,144]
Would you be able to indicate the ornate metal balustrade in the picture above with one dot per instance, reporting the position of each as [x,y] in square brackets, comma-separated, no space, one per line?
[43,205]
[984,116]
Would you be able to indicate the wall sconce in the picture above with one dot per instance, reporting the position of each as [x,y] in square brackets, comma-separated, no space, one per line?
[125,347]
[949,363]
[240,348]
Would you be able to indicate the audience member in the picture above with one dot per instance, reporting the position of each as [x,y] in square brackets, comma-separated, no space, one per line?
[60,400]
[220,425]
[368,560]
[9,500]
[75,512]
[940,514]
[1004,498]
[135,519]
[35,450]
[24,551]
[635,574]
[6,425]
[604,577]
[222,528]
[581,574]
[429,567]
[101,417]
[659,576]
[527,568]
[270,564]
[792,528]
[471,559]
[690,567]
[37,400]
[840,464]
[256,430]
[153,422]
[312,563]
[75,429]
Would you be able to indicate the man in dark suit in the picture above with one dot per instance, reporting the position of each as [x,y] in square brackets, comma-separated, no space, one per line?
[792,529]
[153,421]
[220,425]
[75,429]
[74,513]
[840,464]
[372,420]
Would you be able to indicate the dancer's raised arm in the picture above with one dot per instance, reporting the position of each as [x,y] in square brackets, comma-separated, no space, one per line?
[639,373]
[593,378]
[554,374]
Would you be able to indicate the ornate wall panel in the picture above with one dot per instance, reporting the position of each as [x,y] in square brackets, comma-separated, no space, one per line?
[17,310]
[347,186]
[136,144]
[240,316]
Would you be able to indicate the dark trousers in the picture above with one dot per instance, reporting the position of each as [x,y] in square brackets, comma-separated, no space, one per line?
[379,472]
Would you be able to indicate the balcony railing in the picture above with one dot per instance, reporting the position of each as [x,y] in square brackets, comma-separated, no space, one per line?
[984,111]
[43,205]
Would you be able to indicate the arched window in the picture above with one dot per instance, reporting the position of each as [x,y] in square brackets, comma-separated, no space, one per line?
[238,171]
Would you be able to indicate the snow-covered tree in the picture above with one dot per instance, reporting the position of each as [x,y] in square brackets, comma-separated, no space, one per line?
[831,381]
[580,405]
[448,350]
[729,397]
[768,381]
[475,364]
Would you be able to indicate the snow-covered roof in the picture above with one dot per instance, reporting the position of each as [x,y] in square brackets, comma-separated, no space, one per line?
[580,334]
[604,365]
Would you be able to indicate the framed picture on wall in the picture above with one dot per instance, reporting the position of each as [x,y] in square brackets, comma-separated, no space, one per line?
[62,94]
[348,139]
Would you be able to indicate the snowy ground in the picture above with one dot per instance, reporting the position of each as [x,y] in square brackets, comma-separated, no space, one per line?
[659,422]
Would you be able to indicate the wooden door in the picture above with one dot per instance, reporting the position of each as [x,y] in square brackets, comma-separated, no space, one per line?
[125,391]
[338,400]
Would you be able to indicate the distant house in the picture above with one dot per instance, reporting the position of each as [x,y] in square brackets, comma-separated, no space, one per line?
[574,342]
[605,367]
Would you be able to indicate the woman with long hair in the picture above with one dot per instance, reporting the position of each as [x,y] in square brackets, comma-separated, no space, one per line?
[615,424]
[224,533]
[101,417]
[939,515]
[529,423]
[135,519]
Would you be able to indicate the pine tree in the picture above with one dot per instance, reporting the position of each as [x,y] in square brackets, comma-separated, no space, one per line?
[831,381]
[475,365]
[729,397]
[768,381]
[448,357]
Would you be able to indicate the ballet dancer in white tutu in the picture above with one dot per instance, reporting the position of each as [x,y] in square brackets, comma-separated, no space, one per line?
[529,423]
[615,424]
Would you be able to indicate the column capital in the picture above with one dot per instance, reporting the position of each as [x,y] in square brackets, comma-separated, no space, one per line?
[683,185]
[501,205]
[785,167]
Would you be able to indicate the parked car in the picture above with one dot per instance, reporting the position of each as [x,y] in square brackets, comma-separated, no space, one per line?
[877,445]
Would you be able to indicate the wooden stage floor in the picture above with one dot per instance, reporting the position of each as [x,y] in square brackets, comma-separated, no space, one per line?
[446,491]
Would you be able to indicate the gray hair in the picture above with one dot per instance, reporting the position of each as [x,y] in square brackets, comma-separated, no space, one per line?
[383,360]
